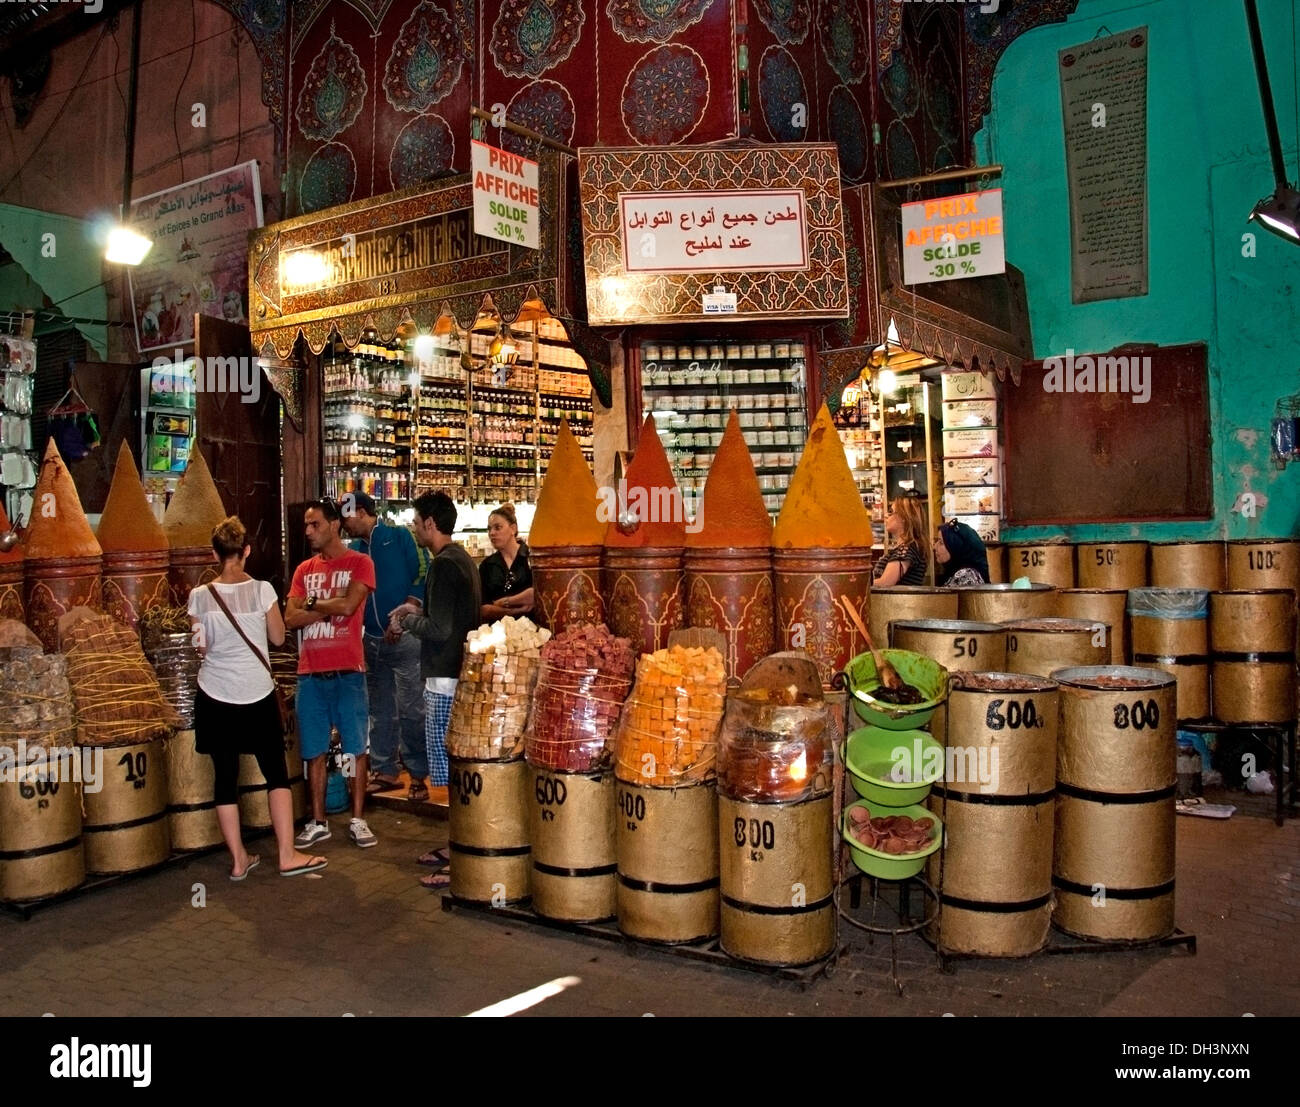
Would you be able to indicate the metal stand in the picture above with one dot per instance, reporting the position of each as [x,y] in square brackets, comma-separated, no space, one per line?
[903,913]
[708,951]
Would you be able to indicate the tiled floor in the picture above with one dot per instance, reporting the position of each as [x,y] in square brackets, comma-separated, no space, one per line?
[364,938]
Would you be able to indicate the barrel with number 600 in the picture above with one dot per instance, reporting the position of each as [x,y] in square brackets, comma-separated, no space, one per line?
[1115,789]
[667,849]
[40,835]
[491,859]
[572,828]
[125,827]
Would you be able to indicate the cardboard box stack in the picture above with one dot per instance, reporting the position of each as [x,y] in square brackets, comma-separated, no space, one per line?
[972,472]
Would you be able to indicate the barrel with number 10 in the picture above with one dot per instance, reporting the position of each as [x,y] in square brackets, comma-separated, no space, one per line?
[1115,789]
[126,820]
[487,816]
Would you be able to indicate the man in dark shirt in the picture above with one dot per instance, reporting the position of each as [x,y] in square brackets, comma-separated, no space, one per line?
[452,598]
[393,681]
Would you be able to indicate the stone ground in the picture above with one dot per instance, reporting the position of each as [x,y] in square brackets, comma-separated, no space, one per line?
[364,938]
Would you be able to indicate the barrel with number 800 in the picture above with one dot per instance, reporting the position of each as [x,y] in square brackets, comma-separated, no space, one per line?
[1115,791]
[491,860]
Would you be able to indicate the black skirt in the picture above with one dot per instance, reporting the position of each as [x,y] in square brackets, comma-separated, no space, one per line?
[243,727]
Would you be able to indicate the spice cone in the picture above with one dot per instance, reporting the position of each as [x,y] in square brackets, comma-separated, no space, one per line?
[566,506]
[732,514]
[655,513]
[128,524]
[196,508]
[58,527]
[823,508]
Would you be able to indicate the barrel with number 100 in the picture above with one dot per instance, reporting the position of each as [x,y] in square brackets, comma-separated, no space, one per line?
[487,816]
[572,828]
[1115,789]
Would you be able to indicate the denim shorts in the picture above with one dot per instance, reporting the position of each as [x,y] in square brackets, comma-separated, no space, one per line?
[338,700]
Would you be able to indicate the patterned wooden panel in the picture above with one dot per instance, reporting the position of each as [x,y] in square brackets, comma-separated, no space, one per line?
[241,444]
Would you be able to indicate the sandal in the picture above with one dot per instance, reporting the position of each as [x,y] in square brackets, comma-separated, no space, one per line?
[436,859]
[436,882]
[382,784]
[419,792]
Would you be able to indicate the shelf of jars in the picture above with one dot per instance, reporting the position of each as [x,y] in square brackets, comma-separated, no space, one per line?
[692,389]
[368,419]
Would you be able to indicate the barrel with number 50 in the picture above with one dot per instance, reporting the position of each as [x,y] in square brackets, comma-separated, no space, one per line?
[491,859]
[1115,788]
[126,819]
[959,645]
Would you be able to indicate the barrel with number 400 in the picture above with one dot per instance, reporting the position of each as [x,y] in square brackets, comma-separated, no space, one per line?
[126,820]
[40,836]
[666,842]
[1116,779]
[491,860]
[572,829]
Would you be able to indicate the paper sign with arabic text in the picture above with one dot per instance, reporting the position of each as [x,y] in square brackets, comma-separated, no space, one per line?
[717,232]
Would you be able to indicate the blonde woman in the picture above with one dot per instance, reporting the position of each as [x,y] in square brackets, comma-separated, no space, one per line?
[906,562]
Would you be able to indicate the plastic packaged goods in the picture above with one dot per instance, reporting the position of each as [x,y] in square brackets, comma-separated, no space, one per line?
[37,697]
[168,639]
[495,690]
[776,745]
[668,733]
[584,679]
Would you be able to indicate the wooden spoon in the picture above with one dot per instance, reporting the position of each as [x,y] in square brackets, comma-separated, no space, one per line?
[888,674]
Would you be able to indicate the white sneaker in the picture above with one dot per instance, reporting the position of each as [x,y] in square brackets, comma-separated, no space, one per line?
[312,833]
[360,833]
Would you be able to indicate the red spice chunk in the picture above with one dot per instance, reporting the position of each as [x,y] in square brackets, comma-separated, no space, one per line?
[732,513]
[652,495]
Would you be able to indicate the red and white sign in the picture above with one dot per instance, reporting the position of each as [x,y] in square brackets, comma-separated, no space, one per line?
[953,237]
[713,232]
[505,195]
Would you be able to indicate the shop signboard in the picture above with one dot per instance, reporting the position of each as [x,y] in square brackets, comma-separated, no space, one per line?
[953,237]
[199,260]
[674,234]
[505,195]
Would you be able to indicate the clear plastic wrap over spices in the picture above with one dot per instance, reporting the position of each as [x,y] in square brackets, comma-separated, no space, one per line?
[490,711]
[585,675]
[1169,603]
[776,746]
[668,733]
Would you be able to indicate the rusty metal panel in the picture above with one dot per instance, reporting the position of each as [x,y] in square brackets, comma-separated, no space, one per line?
[1110,456]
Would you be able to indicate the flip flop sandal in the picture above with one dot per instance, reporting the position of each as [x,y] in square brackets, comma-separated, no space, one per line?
[436,882]
[382,784]
[313,866]
[436,859]
[253,862]
[419,793]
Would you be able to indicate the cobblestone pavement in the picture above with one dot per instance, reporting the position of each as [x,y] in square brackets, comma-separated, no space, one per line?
[364,938]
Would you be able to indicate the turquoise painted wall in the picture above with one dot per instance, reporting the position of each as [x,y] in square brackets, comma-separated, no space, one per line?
[1207,166]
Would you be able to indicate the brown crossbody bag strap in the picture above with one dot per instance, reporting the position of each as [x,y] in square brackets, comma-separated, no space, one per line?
[212,591]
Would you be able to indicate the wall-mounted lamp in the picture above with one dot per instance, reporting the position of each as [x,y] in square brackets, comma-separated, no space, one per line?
[126,245]
[1280,212]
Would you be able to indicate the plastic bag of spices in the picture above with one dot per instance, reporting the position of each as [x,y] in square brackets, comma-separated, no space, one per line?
[585,676]
[495,691]
[668,733]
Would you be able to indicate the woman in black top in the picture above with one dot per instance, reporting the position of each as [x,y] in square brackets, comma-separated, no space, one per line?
[506,575]
[905,563]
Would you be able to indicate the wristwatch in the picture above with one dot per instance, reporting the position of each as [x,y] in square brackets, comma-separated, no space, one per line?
[311,602]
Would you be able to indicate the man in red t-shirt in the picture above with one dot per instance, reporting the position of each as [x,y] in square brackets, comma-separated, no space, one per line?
[327,607]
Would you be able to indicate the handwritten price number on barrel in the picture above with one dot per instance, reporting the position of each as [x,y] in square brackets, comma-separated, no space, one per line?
[1141,716]
[633,807]
[1105,557]
[467,784]
[136,768]
[1031,558]
[41,788]
[550,792]
[757,835]
[1262,560]
[1016,717]
[965,647]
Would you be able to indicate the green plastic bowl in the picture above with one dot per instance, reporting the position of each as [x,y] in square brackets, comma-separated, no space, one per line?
[890,866]
[924,674]
[869,757]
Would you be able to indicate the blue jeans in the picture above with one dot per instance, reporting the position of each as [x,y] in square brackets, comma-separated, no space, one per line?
[396,706]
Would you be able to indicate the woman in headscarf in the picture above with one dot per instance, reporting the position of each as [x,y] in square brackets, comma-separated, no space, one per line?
[959,556]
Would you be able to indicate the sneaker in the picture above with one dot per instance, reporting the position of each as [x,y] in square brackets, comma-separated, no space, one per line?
[312,833]
[360,833]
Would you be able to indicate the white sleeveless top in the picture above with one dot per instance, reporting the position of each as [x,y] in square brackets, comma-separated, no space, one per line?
[230,672]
